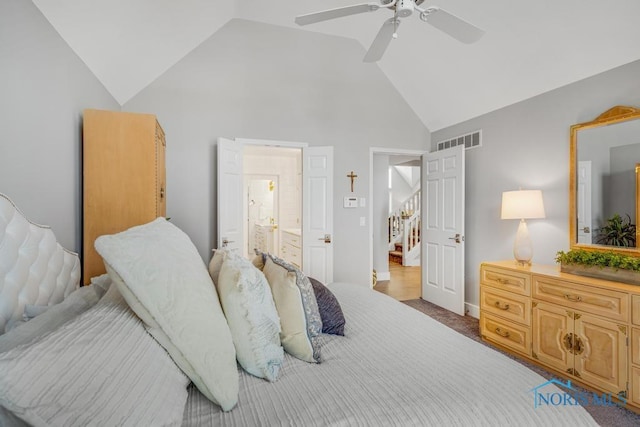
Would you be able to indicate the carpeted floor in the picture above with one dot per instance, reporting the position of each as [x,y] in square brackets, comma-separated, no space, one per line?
[613,416]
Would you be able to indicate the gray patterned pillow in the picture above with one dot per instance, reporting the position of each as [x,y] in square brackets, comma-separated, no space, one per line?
[330,311]
[287,305]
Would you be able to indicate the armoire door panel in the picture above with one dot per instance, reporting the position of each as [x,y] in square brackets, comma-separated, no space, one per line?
[121,170]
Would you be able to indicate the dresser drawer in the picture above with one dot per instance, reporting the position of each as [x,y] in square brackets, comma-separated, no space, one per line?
[295,256]
[292,254]
[508,280]
[505,333]
[506,304]
[635,309]
[603,302]
[292,239]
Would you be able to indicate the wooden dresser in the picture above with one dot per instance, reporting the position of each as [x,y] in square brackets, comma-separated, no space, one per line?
[584,329]
[123,175]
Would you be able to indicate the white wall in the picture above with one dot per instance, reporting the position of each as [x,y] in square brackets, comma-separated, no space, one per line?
[44,87]
[527,144]
[401,190]
[380,208]
[254,80]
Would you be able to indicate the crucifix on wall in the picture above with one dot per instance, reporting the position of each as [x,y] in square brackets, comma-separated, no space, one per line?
[353,178]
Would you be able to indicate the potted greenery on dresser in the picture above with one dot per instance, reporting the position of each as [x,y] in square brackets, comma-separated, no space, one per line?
[601,265]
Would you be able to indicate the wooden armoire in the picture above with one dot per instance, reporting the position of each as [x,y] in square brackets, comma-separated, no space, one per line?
[123,175]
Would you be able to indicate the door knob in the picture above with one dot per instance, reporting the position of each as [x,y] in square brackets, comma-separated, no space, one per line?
[586,230]
[326,238]
[458,238]
[225,242]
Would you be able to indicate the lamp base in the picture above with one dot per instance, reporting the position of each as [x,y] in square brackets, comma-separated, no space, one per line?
[522,247]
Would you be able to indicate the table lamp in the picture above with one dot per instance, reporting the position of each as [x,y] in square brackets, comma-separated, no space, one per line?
[522,204]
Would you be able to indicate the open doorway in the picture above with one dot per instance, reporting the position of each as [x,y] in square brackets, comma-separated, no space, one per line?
[304,238]
[397,224]
[272,208]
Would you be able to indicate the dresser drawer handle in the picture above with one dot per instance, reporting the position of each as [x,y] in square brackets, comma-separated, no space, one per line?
[502,333]
[573,298]
[502,307]
[502,281]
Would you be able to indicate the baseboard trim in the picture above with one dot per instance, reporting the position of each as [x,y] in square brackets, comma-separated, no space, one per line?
[383,275]
[472,310]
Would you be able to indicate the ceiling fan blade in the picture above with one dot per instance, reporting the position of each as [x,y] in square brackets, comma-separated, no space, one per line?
[382,40]
[339,12]
[456,27]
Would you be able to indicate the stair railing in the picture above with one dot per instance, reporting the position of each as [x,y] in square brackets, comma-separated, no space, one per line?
[410,237]
[406,209]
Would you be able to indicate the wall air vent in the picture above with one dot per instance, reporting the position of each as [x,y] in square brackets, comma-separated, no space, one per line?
[469,140]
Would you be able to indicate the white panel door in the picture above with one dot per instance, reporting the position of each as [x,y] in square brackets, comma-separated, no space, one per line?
[443,228]
[230,177]
[584,202]
[317,213]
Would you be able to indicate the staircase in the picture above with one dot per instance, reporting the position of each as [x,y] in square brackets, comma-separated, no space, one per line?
[404,232]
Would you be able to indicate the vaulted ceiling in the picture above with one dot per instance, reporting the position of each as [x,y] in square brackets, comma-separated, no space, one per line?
[530,47]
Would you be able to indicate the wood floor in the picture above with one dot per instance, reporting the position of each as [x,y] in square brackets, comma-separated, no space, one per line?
[404,284]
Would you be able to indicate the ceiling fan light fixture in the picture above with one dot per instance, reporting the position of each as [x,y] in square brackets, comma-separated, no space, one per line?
[405,8]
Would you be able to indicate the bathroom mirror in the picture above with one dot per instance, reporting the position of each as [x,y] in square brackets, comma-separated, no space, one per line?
[604,161]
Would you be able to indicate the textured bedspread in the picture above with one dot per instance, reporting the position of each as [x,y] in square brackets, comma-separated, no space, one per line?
[395,366]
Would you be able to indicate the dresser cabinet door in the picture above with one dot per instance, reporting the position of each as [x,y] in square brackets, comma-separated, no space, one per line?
[553,336]
[601,353]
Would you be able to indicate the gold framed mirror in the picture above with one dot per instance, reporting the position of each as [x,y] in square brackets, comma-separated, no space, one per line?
[604,184]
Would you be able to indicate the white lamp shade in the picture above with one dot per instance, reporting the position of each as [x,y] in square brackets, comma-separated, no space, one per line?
[522,204]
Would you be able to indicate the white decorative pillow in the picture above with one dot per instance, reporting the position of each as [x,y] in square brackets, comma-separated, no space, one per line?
[100,284]
[101,368]
[159,272]
[31,311]
[216,263]
[255,327]
[79,301]
[298,310]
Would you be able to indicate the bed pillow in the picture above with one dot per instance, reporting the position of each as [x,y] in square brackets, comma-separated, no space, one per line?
[101,284]
[101,368]
[216,263]
[159,272]
[297,307]
[253,320]
[76,303]
[333,320]
[259,259]
[31,311]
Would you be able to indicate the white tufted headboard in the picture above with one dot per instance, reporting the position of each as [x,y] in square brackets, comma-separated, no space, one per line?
[34,268]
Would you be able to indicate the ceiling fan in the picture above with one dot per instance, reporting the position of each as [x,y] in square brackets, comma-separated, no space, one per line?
[439,18]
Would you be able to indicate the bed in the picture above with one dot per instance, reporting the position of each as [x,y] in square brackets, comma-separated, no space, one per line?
[106,355]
